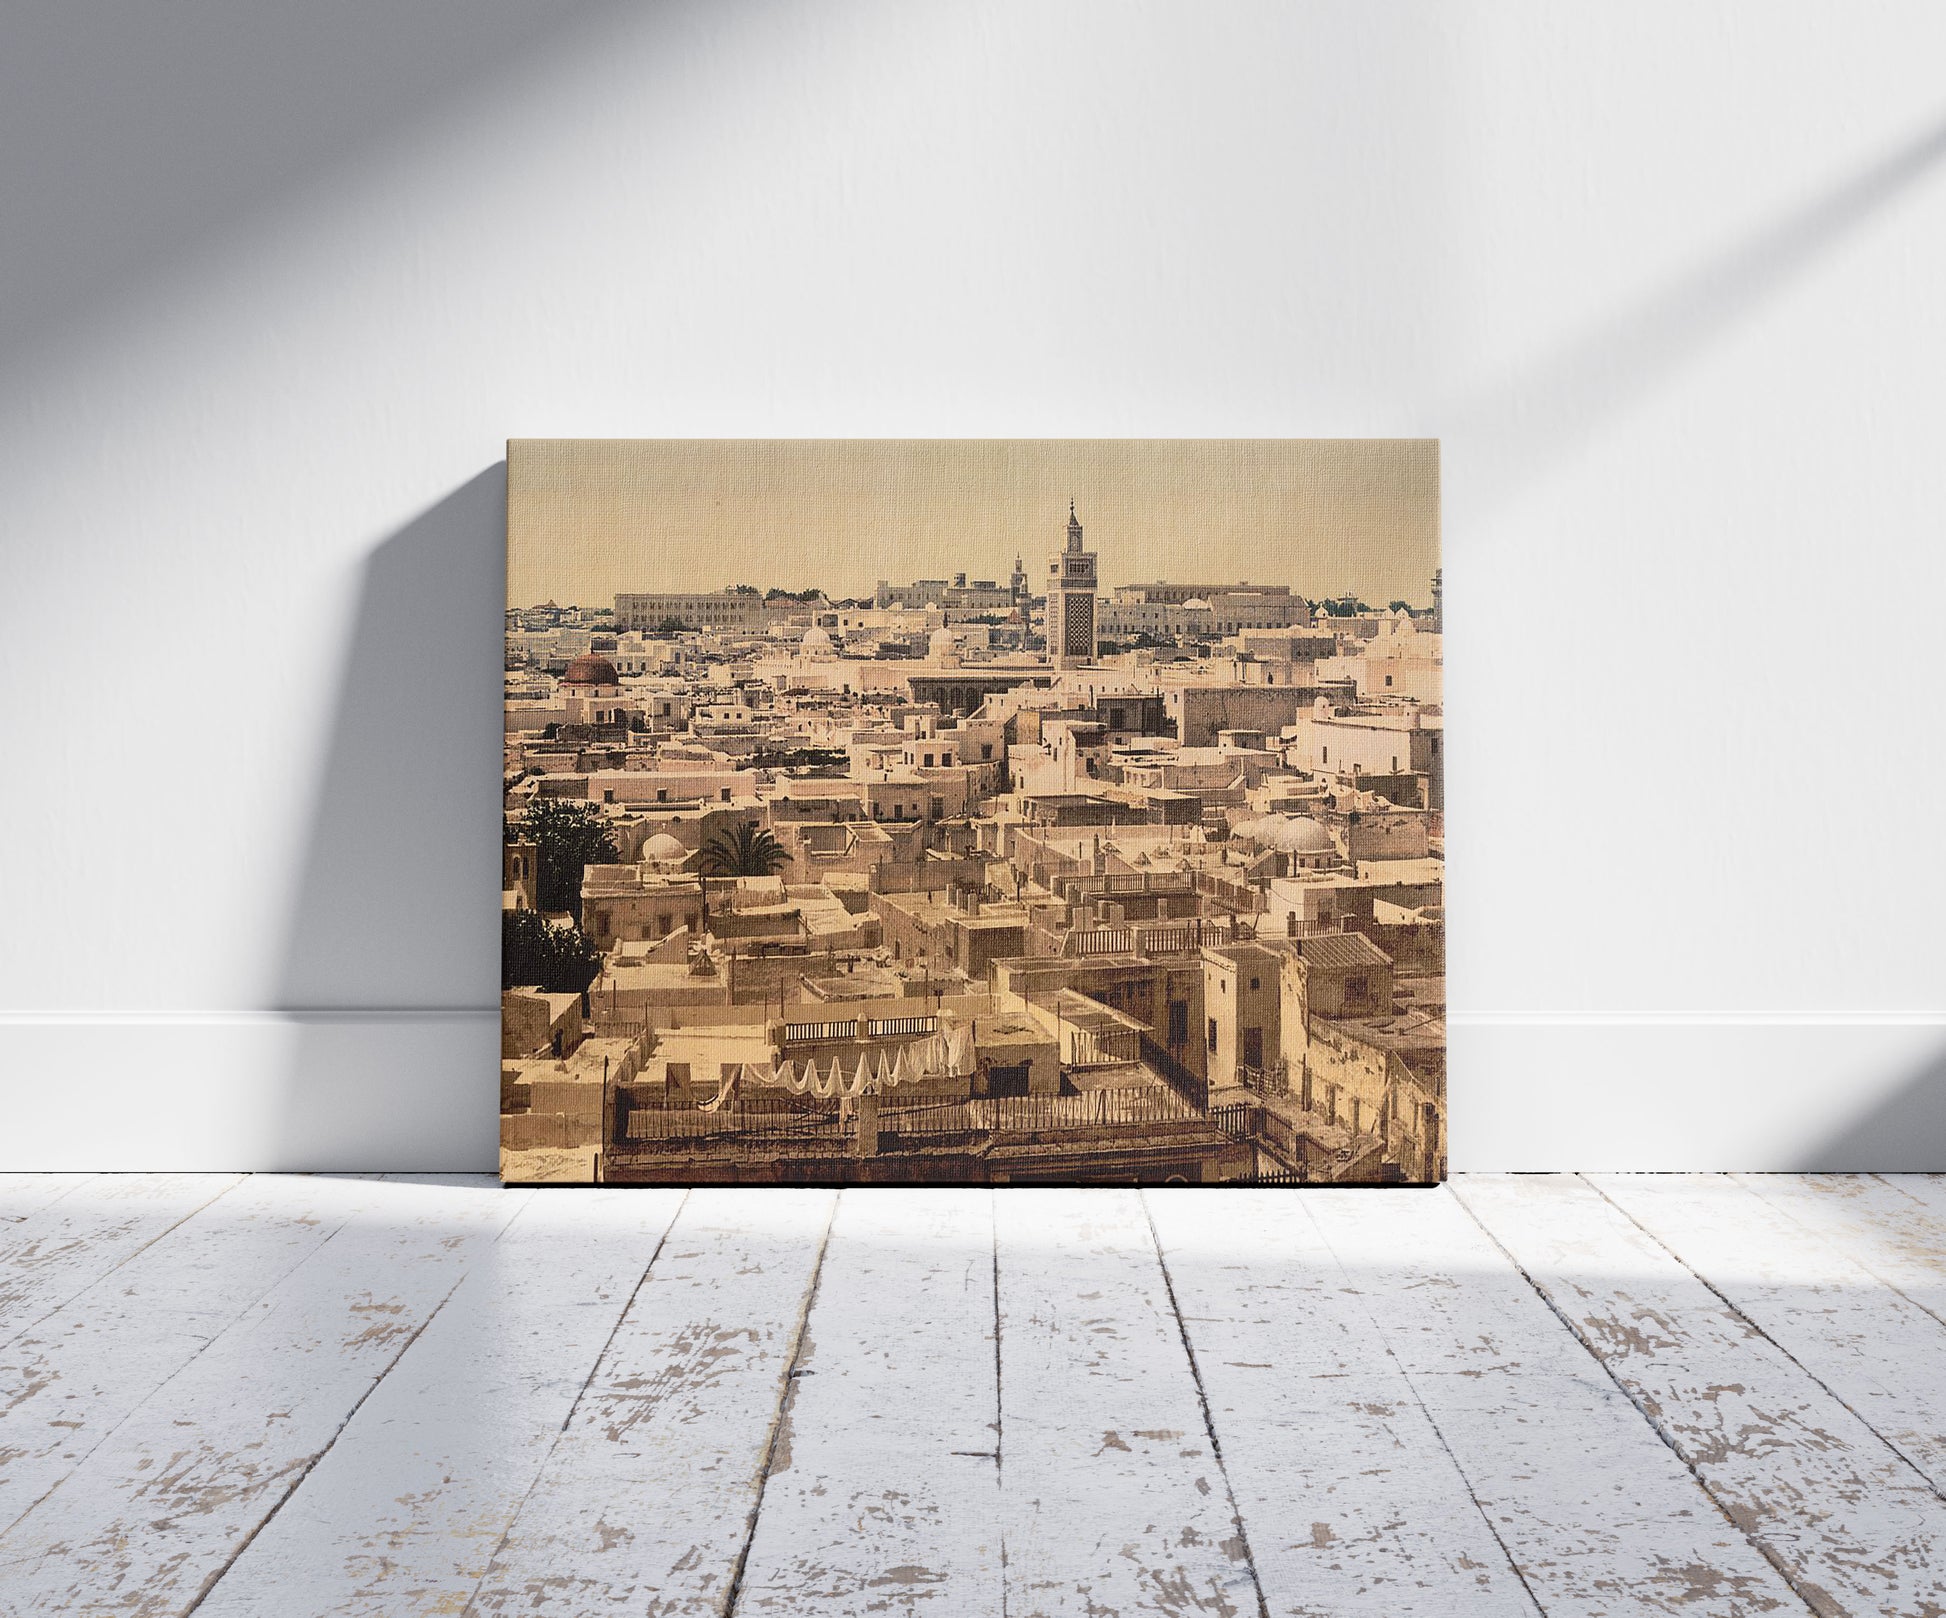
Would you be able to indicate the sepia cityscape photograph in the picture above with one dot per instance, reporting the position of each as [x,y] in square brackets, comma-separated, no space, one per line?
[973,812]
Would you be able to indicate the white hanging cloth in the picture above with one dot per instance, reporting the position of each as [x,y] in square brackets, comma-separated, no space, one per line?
[928,1057]
[950,1052]
[725,1092]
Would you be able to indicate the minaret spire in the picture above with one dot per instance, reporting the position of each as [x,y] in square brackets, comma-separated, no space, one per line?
[1071,638]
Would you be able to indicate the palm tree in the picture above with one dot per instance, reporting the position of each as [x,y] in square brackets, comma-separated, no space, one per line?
[745,849]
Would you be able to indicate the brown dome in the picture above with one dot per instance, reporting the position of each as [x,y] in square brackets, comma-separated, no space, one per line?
[591,671]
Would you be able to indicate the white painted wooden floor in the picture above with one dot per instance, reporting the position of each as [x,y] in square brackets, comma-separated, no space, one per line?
[1562,1395]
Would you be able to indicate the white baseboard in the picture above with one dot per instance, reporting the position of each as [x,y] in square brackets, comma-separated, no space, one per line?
[418,1090]
[363,1090]
[1757,1092]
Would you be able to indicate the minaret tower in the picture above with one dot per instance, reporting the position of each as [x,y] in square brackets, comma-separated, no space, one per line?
[1071,640]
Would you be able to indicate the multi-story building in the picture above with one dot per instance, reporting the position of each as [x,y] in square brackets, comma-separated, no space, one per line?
[953,595]
[741,610]
[1162,593]
[620,902]
[1173,611]
[1241,1007]
[1393,749]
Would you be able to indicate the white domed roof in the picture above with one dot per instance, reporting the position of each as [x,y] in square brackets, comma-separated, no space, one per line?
[1195,604]
[663,847]
[1307,836]
[943,643]
[817,643]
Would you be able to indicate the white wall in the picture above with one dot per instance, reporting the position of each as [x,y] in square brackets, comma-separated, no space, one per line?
[279,282]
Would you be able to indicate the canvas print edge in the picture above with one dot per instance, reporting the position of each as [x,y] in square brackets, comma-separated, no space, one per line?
[936,878]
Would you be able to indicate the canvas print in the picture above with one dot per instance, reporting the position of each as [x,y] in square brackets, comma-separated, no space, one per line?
[982,812]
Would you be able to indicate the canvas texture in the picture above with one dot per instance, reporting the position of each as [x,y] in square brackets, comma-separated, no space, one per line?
[973,812]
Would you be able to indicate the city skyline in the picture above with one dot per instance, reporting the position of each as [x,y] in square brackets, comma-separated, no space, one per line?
[961,884]
[1323,516]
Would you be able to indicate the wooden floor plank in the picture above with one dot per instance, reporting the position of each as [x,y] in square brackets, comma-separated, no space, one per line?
[883,1495]
[1894,1225]
[68,1243]
[158,1509]
[72,1378]
[403,1514]
[1927,1189]
[1876,1351]
[1597,1513]
[1351,1503]
[1113,1499]
[645,1503]
[1355,1401]
[22,1194]
[1850,1522]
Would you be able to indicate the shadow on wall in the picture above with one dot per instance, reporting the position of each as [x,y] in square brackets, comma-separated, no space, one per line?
[391,965]
[1905,1133]
[134,139]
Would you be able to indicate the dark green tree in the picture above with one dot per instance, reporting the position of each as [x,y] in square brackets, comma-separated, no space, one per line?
[569,837]
[560,960]
[1399,606]
[745,849]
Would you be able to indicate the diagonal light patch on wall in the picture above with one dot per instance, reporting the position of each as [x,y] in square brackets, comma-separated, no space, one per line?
[1518,428]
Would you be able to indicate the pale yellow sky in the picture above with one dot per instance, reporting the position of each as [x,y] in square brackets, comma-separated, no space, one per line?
[587,518]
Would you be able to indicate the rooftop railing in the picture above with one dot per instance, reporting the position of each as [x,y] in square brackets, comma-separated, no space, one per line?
[1151,938]
[854,1028]
[768,1127]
